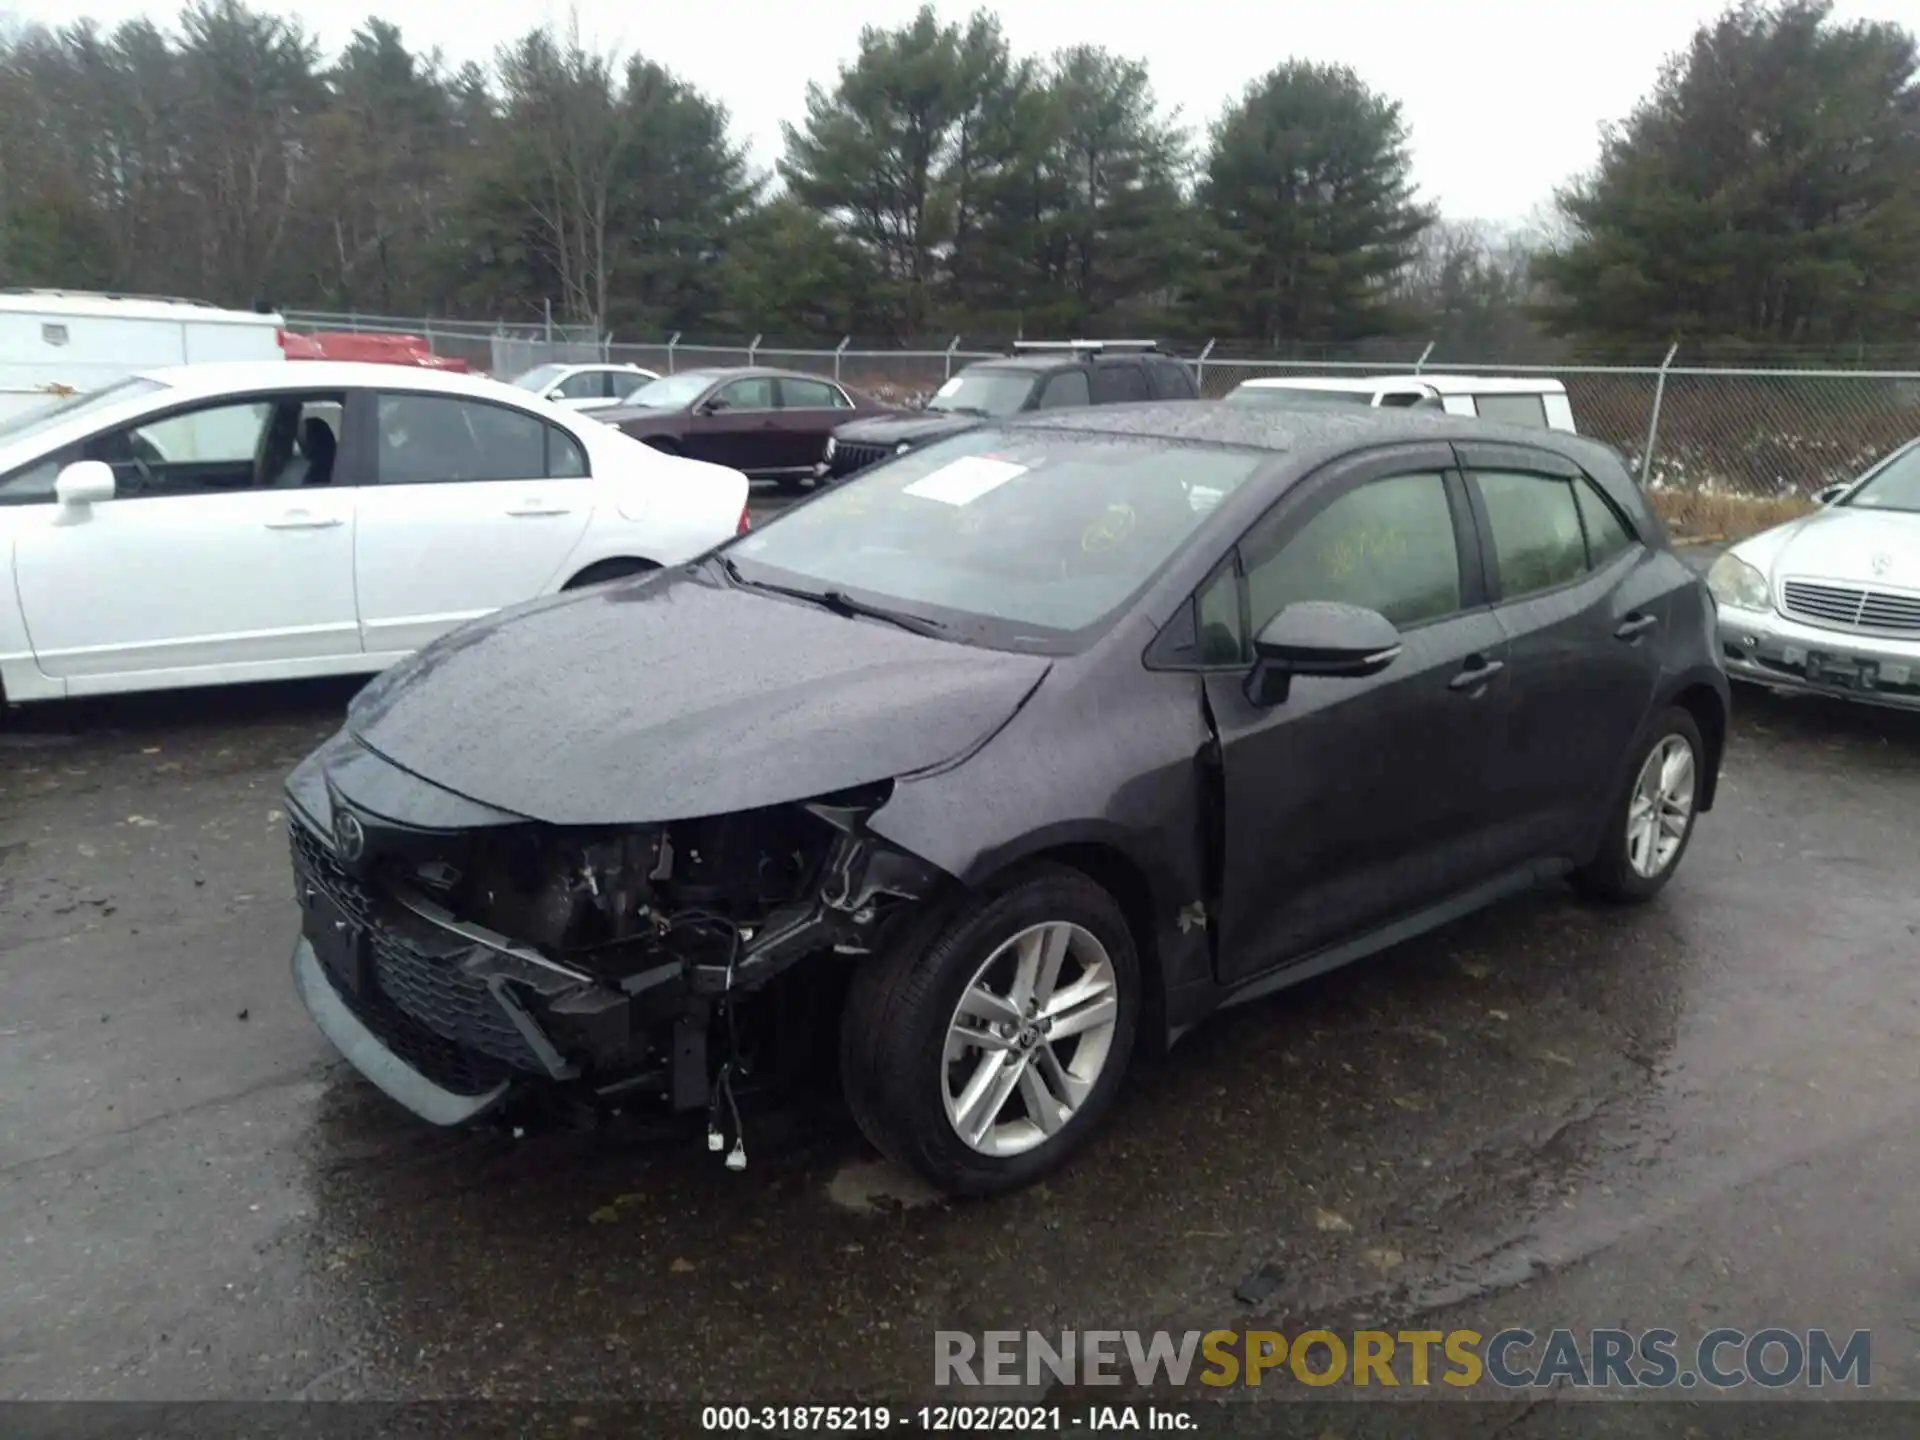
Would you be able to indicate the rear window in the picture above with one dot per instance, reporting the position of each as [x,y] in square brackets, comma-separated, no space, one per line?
[1529,411]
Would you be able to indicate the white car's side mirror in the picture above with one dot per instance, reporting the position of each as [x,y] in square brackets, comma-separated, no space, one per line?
[556,396]
[1830,493]
[82,485]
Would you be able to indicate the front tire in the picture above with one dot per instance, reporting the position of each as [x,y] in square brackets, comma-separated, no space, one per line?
[983,1053]
[1651,822]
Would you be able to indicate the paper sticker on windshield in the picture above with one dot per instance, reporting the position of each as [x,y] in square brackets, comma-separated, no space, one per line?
[965,480]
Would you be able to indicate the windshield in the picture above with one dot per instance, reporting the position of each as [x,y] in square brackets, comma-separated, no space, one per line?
[541,377]
[984,392]
[670,392]
[1016,532]
[1276,397]
[1894,485]
[25,427]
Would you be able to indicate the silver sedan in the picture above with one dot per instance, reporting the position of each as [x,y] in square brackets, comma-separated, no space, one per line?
[1831,602]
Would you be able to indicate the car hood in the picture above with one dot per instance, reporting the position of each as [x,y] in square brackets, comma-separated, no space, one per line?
[1845,543]
[892,429]
[677,695]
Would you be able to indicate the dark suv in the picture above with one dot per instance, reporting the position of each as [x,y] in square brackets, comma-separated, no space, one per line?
[1038,375]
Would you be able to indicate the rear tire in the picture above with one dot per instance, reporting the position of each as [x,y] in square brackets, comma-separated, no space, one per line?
[603,571]
[911,1054]
[1651,820]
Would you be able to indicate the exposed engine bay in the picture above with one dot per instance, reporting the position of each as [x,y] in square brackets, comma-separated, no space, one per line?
[619,960]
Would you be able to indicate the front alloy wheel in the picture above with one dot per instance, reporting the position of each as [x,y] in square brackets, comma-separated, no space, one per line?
[984,1046]
[1029,1038]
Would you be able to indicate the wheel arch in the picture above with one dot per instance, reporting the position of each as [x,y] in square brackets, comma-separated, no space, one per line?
[1708,707]
[1134,891]
[613,566]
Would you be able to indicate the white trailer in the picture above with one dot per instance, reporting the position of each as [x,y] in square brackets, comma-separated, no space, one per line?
[55,343]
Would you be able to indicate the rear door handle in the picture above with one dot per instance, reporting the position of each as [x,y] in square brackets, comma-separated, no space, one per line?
[1634,626]
[1475,678]
[303,520]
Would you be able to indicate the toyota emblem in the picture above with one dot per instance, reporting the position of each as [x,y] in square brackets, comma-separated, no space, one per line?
[349,837]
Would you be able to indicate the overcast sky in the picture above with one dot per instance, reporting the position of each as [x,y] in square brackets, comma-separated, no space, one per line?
[1505,98]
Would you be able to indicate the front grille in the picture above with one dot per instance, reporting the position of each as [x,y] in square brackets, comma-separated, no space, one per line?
[849,458]
[442,1020]
[1851,607]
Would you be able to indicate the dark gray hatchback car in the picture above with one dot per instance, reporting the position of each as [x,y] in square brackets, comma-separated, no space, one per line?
[1007,757]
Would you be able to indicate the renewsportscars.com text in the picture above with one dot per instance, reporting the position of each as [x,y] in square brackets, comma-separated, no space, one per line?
[1722,1359]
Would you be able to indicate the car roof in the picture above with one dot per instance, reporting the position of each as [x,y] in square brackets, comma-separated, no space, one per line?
[222,376]
[1432,384]
[746,372]
[1312,433]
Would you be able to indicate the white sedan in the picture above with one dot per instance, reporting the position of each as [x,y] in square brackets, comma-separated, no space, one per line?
[1831,602]
[232,522]
[585,387]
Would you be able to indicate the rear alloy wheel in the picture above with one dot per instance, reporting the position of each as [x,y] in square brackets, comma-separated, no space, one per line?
[982,1057]
[1653,821]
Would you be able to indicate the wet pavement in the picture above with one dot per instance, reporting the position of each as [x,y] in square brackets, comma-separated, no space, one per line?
[1696,1113]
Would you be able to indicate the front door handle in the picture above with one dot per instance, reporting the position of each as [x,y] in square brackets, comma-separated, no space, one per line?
[304,520]
[1476,678]
[537,507]
[1634,626]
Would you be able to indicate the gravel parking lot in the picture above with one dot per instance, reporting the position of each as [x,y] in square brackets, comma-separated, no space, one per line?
[1702,1112]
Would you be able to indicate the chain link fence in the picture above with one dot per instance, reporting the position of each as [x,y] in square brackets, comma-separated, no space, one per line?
[1724,449]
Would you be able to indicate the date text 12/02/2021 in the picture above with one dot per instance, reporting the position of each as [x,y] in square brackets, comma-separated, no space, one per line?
[938,1419]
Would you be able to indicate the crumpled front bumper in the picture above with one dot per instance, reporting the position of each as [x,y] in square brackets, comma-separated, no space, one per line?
[375,1059]
[1769,648]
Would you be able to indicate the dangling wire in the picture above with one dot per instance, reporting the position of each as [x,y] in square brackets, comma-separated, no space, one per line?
[723,1083]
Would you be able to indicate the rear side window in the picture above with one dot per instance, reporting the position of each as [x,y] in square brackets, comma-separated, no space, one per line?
[1119,383]
[1529,411]
[1171,380]
[1538,540]
[1607,533]
[446,440]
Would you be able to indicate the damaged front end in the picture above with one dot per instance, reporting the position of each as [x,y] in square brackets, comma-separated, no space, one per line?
[457,963]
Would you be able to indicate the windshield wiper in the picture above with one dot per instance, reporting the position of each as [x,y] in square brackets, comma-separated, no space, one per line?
[960,410]
[838,601]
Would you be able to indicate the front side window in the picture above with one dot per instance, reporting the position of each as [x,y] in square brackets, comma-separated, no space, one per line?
[1538,541]
[1387,545]
[670,392]
[448,440]
[266,443]
[1015,538]
[585,385]
[1065,391]
[754,394]
[991,393]
[1527,411]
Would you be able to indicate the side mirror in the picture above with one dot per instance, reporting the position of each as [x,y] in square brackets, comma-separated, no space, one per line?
[82,485]
[1319,637]
[556,396]
[711,406]
[1827,494]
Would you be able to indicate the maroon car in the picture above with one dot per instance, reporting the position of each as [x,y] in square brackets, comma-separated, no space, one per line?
[771,424]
